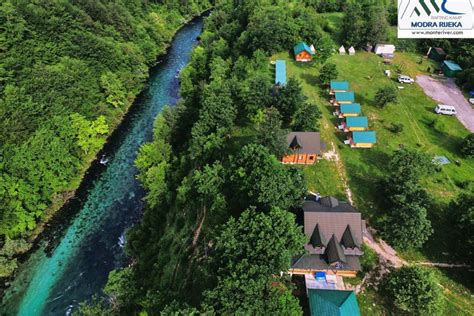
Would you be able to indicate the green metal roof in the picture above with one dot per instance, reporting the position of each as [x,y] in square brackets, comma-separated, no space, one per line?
[332,303]
[357,121]
[452,65]
[280,72]
[364,137]
[339,85]
[350,108]
[302,46]
[345,96]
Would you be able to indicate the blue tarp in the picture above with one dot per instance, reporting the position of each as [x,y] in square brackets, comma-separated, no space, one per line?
[280,72]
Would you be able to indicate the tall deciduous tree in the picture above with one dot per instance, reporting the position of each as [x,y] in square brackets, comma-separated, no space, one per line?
[271,134]
[288,99]
[414,290]
[407,223]
[461,215]
[327,73]
[259,179]
[249,254]
[386,95]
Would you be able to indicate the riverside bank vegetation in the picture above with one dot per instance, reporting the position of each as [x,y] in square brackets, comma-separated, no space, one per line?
[69,71]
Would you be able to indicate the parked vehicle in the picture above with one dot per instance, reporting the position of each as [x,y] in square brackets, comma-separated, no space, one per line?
[471,100]
[405,79]
[445,109]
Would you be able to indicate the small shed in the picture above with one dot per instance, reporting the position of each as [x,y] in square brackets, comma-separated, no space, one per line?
[346,110]
[384,49]
[365,139]
[342,50]
[437,53]
[355,123]
[280,72]
[352,51]
[343,98]
[303,52]
[450,68]
[325,302]
[338,86]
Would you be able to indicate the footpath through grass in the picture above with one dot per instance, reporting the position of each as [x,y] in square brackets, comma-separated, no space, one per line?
[364,168]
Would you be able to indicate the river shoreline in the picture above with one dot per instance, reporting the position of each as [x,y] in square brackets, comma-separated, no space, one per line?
[52,229]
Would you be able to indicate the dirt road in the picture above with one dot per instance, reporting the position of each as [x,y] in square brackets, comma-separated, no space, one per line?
[447,92]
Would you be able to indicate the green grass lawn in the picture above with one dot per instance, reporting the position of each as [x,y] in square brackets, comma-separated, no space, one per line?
[364,168]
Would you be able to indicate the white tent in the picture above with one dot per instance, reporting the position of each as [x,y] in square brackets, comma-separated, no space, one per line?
[387,49]
[342,50]
[312,49]
[352,51]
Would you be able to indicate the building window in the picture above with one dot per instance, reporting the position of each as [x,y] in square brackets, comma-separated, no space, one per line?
[311,157]
[300,157]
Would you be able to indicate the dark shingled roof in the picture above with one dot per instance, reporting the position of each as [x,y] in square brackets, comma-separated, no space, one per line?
[317,239]
[334,252]
[330,201]
[304,142]
[348,240]
[440,51]
[295,143]
[318,262]
[328,204]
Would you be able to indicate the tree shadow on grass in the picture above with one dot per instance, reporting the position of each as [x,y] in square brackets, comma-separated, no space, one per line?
[310,79]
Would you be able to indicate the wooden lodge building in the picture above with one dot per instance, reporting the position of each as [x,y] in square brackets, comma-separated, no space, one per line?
[354,123]
[347,110]
[303,52]
[334,229]
[303,148]
[364,139]
[343,98]
[338,86]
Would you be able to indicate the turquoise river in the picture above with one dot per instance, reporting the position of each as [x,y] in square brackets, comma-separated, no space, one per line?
[55,279]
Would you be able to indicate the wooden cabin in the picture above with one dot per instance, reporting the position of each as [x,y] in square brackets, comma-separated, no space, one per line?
[343,98]
[365,139]
[450,68]
[331,302]
[338,86]
[347,110]
[304,148]
[437,53]
[280,73]
[303,52]
[354,123]
[334,230]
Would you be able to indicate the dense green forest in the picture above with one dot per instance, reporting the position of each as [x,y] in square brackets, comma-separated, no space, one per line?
[69,71]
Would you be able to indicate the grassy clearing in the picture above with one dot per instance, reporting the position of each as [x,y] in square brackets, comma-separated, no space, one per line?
[423,130]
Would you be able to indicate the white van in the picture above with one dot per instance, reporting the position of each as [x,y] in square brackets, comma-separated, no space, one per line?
[445,109]
[405,79]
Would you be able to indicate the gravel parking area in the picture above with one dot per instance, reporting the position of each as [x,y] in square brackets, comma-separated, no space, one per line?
[447,92]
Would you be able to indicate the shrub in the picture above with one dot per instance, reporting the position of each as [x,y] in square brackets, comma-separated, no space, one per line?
[385,95]
[369,259]
[396,128]
[467,146]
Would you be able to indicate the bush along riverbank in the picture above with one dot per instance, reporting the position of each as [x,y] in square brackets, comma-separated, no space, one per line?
[69,75]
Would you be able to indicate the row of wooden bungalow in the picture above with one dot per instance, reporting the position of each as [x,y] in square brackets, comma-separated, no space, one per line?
[346,109]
